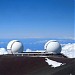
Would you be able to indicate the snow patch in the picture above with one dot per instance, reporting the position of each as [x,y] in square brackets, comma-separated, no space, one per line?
[53,63]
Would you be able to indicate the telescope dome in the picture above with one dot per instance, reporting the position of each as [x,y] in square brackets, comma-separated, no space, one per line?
[52,46]
[15,46]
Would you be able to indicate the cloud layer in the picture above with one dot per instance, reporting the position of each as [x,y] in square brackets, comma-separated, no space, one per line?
[69,50]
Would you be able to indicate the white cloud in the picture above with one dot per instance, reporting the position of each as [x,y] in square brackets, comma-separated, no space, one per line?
[40,51]
[28,50]
[41,41]
[69,50]
[3,51]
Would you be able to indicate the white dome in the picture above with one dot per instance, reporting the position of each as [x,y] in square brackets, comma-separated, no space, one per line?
[15,46]
[53,47]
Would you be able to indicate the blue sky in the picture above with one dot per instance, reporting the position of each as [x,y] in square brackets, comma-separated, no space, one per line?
[36,18]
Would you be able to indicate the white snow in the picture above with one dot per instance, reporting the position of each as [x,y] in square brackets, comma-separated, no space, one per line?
[53,63]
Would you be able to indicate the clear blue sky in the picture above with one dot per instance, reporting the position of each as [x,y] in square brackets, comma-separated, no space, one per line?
[36,18]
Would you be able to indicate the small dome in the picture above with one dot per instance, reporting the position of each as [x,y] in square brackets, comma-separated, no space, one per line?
[53,47]
[15,46]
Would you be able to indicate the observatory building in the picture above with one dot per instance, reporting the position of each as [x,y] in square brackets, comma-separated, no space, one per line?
[52,47]
[15,46]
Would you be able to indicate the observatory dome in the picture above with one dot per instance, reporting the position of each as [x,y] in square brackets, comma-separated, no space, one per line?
[53,47]
[15,46]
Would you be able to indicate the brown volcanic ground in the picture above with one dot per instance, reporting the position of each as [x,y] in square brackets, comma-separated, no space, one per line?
[21,65]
